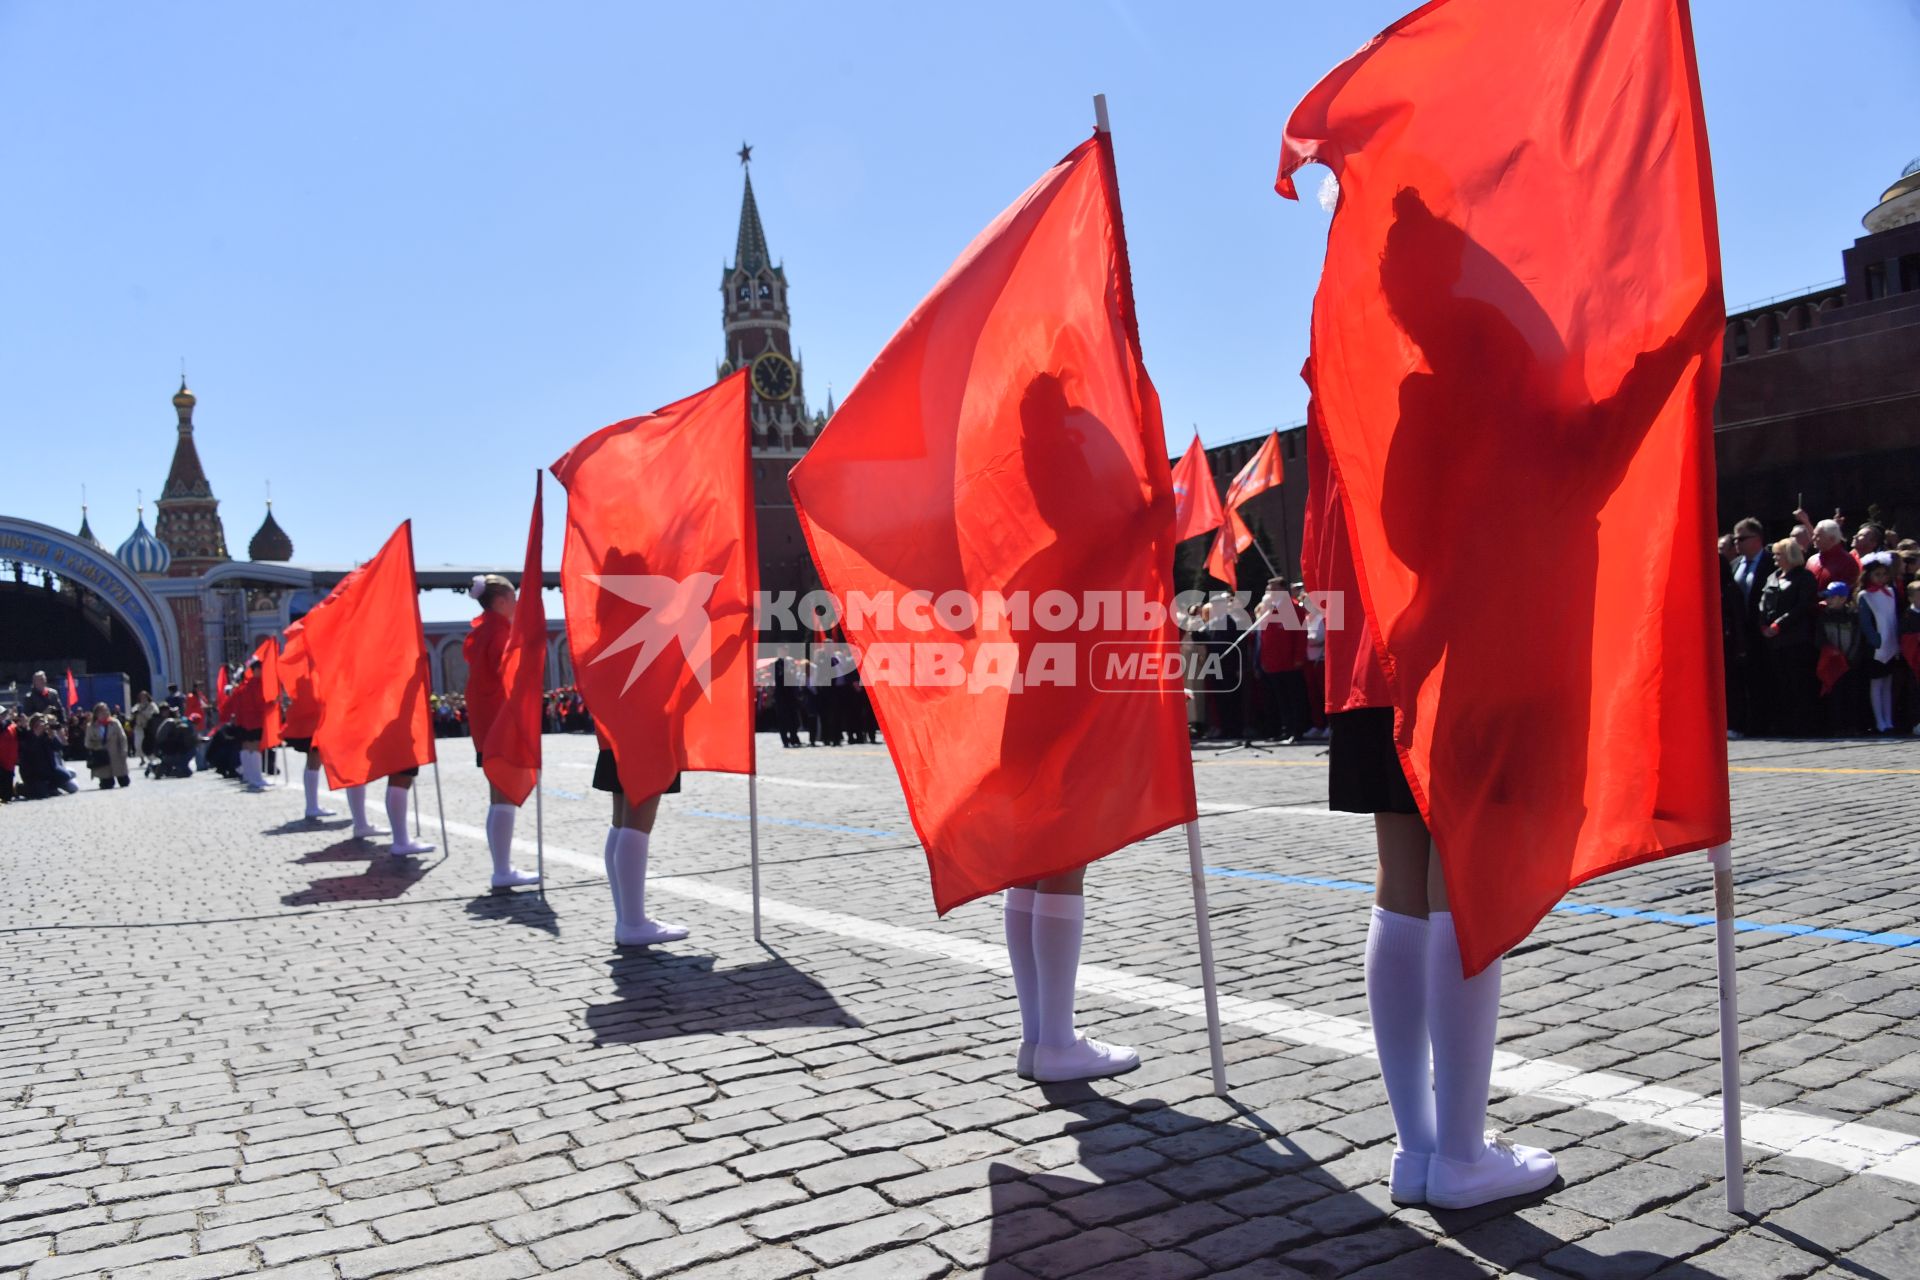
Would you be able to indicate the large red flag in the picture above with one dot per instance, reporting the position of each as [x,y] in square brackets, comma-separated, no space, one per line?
[369,664]
[1519,322]
[1261,472]
[512,749]
[268,693]
[1008,441]
[659,576]
[1196,507]
[73,690]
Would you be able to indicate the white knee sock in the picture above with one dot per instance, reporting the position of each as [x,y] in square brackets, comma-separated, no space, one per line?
[630,858]
[613,873]
[357,806]
[1397,1004]
[1881,690]
[250,767]
[500,836]
[1026,984]
[397,813]
[1057,923]
[311,779]
[1462,1017]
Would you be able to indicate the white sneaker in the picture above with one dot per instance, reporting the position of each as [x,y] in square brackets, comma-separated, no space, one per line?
[1504,1169]
[648,933]
[410,848]
[514,878]
[1084,1059]
[1407,1183]
[1023,1065]
[315,815]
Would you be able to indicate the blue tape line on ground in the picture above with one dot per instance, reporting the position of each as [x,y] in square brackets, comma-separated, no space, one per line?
[1693,920]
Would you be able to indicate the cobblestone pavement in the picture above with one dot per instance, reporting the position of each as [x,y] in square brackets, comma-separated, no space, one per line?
[230,1043]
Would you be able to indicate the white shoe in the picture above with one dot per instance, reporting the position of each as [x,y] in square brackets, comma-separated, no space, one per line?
[366,833]
[255,788]
[648,933]
[410,848]
[514,878]
[1505,1169]
[1023,1065]
[1407,1183]
[315,815]
[1084,1059]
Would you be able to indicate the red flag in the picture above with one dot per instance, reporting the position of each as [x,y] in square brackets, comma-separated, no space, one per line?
[73,690]
[1008,440]
[1832,664]
[220,694]
[271,732]
[659,592]
[369,663]
[512,748]
[1519,320]
[296,681]
[1263,471]
[1196,507]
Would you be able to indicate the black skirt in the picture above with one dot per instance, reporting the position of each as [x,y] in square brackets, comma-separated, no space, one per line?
[606,776]
[1364,774]
[302,745]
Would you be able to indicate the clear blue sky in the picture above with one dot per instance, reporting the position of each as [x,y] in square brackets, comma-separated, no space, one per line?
[412,251]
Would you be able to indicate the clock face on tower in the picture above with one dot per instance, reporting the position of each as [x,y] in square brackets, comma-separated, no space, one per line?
[774,376]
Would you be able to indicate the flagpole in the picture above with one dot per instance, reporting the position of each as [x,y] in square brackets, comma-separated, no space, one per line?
[417,828]
[753,845]
[1264,556]
[1205,930]
[441,799]
[1721,856]
[539,837]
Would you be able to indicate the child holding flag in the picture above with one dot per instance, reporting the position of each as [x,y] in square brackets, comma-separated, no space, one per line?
[485,649]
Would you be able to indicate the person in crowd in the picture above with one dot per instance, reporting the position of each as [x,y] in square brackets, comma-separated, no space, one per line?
[248,707]
[1316,669]
[485,649]
[41,698]
[9,752]
[1909,673]
[1787,628]
[1746,661]
[1280,658]
[1879,614]
[106,747]
[176,700]
[1831,561]
[195,706]
[786,701]
[144,708]
[176,743]
[1868,539]
[43,762]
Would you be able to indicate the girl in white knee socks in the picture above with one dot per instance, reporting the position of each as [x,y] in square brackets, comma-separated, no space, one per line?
[399,791]
[1043,922]
[485,649]
[1433,1027]
[626,860]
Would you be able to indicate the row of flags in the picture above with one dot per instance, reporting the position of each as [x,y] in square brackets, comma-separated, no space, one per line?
[1515,336]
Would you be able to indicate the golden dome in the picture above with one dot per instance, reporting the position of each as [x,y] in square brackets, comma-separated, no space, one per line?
[183,398]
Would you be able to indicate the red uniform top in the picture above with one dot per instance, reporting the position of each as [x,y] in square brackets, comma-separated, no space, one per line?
[485,649]
[1354,675]
[9,748]
[247,706]
[1283,640]
[1835,564]
[303,707]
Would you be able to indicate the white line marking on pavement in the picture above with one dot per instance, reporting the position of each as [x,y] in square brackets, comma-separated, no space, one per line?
[1291,811]
[1857,1148]
[779,781]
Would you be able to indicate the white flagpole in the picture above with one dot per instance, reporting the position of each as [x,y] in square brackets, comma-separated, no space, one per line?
[753,845]
[1721,856]
[441,799]
[1201,924]
[539,837]
[1205,930]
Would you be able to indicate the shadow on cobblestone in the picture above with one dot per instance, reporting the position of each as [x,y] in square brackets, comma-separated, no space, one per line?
[384,880]
[528,908]
[301,827]
[661,995]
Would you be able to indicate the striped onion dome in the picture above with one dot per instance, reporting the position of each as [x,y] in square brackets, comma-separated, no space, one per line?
[144,553]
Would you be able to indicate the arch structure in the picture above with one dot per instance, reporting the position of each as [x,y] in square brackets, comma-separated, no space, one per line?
[125,595]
